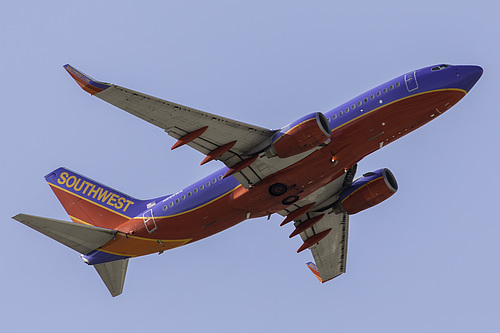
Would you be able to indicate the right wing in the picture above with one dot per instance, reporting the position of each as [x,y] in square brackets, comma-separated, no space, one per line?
[179,121]
[232,142]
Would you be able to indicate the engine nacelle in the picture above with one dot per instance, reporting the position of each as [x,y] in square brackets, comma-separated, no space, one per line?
[367,191]
[301,135]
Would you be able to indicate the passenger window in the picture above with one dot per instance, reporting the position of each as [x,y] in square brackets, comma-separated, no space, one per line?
[202,187]
[177,200]
[207,184]
[195,190]
[385,90]
[183,197]
[165,207]
[398,84]
[341,113]
[360,103]
[372,96]
[171,204]
[334,116]
[214,180]
[353,107]
[189,194]
[391,87]
[220,177]
[378,93]
[366,100]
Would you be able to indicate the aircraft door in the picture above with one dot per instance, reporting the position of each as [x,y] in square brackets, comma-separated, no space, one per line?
[411,81]
[149,221]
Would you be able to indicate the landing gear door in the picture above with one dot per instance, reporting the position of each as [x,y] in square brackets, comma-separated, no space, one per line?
[411,81]
[149,221]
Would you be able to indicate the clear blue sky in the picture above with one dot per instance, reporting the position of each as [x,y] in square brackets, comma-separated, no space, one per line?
[426,260]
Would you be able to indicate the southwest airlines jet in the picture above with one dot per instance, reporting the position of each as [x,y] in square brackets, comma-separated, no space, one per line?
[304,171]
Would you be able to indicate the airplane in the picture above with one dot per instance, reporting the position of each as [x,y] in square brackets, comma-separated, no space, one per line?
[304,171]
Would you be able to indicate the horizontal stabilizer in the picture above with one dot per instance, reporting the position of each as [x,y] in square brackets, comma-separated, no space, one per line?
[113,275]
[80,237]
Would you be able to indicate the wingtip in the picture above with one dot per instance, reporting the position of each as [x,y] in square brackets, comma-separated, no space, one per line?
[314,269]
[86,82]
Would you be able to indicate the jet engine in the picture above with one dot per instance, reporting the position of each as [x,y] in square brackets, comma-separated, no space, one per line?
[367,191]
[302,135]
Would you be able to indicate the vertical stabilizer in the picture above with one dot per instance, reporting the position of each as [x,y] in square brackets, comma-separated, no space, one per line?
[89,202]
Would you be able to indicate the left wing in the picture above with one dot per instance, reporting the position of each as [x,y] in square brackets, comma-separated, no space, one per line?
[323,232]
[330,253]
[217,137]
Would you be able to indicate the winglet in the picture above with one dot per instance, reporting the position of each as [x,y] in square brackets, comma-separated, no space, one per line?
[312,266]
[86,82]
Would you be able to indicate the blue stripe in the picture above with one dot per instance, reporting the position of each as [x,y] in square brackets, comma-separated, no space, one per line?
[175,204]
[428,81]
[98,257]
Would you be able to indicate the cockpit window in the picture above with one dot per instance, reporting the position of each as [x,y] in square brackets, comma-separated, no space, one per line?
[440,67]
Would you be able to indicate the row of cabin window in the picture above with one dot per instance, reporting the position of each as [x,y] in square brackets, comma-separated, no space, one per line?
[378,94]
[195,190]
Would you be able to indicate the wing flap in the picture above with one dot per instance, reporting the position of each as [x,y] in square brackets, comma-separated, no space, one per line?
[113,275]
[79,237]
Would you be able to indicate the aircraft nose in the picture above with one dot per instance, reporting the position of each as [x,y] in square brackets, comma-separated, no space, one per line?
[468,76]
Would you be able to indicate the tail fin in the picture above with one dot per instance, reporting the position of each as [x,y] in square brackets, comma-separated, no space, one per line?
[89,202]
[83,239]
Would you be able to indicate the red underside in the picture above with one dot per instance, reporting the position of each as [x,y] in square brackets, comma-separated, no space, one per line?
[349,144]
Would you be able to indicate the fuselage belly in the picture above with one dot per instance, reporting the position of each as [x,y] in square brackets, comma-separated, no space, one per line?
[359,127]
